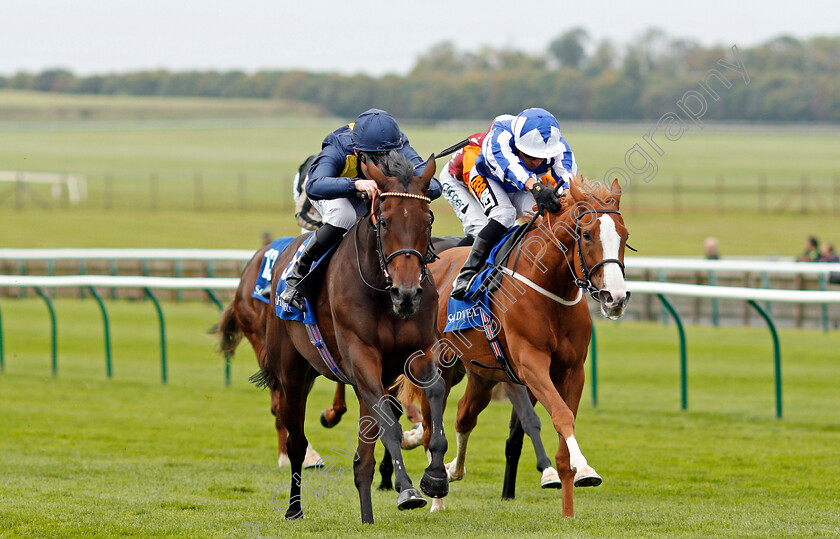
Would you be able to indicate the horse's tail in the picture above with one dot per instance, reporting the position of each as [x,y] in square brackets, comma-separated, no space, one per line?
[228,332]
[407,392]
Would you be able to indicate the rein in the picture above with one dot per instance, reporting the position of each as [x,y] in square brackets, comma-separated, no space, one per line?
[384,259]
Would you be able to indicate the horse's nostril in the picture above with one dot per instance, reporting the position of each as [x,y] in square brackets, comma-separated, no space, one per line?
[606,298]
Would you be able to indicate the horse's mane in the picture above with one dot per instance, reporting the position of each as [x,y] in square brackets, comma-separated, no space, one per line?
[398,166]
[594,190]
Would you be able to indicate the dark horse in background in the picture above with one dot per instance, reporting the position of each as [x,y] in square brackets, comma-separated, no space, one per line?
[376,312]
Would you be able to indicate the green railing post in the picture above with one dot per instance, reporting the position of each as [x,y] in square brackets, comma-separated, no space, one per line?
[715,312]
[82,271]
[179,272]
[112,269]
[765,283]
[777,355]
[48,301]
[162,334]
[593,346]
[660,275]
[107,330]
[823,286]
[683,359]
[21,271]
[215,300]
[2,359]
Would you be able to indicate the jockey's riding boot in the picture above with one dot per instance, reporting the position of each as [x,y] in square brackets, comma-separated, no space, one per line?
[489,236]
[324,238]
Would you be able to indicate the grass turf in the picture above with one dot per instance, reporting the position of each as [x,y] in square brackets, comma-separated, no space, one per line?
[84,456]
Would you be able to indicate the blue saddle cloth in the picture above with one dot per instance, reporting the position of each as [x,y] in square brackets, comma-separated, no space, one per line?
[264,281]
[267,266]
[466,313]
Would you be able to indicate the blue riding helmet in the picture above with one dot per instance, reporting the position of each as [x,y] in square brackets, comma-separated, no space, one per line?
[537,134]
[376,131]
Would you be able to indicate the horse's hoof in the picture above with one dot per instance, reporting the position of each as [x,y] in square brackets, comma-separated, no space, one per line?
[587,477]
[385,486]
[451,471]
[412,438]
[294,514]
[410,499]
[436,487]
[324,421]
[437,505]
[312,459]
[550,478]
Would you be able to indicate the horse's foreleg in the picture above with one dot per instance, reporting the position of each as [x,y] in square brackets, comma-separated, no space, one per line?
[380,420]
[386,467]
[331,416]
[530,423]
[534,371]
[364,465]
[570,389]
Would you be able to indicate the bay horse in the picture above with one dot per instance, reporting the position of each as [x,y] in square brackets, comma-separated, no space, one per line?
[376,313]
[543,326]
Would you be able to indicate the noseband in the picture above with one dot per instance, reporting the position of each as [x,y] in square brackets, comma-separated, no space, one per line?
[384,259]
[585,270]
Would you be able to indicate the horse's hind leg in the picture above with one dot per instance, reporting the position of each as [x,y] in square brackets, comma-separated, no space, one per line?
[295,379]
[529,422]
[331,416]
[476,397]
[513,450]
[282,433]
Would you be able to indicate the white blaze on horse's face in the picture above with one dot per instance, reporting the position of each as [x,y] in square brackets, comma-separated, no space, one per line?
[615,299]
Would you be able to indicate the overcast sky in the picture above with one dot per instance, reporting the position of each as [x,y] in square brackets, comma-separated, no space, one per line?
[374,37]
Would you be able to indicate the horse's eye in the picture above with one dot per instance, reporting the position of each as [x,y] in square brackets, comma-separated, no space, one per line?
[587,236]
[384,223]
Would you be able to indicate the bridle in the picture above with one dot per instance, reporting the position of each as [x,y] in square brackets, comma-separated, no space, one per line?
[586,282]
[384,259]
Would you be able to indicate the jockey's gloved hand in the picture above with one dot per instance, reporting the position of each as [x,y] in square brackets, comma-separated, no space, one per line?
[546,198]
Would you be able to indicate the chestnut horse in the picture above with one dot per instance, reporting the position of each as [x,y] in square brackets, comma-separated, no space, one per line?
[544,328]
[376,310]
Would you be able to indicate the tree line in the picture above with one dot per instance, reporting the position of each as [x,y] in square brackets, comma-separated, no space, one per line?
[576,78]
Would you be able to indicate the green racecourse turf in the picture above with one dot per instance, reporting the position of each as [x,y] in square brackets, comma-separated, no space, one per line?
[131,139]
[86,456]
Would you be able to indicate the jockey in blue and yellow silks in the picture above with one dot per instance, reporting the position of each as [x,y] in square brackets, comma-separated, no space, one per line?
[506,179]
[338,174]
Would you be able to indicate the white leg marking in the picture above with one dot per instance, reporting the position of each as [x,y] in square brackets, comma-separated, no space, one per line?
[550,478]
[412,438]
[312,459]
[455,470]
[576,458]
[437,505]
[283,460]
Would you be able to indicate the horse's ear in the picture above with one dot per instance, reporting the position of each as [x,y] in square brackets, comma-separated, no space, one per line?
[616,190]
[575,189]
[428,173]
[378,176]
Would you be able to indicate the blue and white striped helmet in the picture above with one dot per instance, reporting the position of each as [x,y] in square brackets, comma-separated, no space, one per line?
[537,133]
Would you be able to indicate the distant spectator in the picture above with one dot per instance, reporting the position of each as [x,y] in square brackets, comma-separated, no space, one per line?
[710,247]
[266,237]
[811,253]
[827,253]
